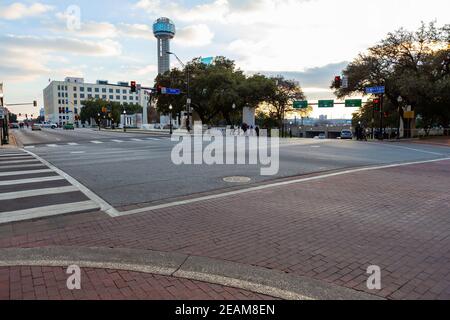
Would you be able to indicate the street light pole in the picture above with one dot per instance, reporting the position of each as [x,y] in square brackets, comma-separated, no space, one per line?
[99,126]
[188,95]
[124,120]
[400,100]
[170,125]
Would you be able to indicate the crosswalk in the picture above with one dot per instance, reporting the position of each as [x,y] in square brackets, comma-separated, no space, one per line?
[118,141]
[30,189]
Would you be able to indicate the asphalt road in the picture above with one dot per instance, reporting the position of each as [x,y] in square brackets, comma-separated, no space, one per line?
[126,169]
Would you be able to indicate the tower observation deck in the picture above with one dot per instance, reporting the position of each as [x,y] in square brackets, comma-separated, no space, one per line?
[164,31]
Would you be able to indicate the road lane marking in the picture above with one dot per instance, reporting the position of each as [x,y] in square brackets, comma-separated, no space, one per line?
[154,139]
[118,141]
[52,145]
[47,211]
[15,158]
[17,161]
[78,152]
[136,139]
[36,192]
[31,180]
[409,148]
[269,186]
[22,166]
[96,142]
[104,206]
[20,173]
[73,144]
[29,147]
[6,155]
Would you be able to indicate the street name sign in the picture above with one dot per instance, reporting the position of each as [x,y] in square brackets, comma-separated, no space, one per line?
[300,104]
[353,103]
[170,91]
[326,103]
[375,90]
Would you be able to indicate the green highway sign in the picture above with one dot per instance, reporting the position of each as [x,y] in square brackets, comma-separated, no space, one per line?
[300,104]
[326,103]
[353,103]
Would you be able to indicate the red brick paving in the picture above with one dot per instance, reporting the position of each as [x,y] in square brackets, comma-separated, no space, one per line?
[49,283]
[331,229]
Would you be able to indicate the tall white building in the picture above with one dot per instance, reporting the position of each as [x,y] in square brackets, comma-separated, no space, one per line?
[63,99]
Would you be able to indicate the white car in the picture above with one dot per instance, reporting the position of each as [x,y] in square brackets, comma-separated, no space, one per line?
[49,125]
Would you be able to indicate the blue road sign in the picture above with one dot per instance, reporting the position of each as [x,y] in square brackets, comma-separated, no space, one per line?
[170,91]
[375,90]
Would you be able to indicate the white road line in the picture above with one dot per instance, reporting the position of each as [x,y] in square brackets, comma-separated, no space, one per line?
[73,144]
[154,139]
[269,186]
[78,152]
[15,158]
[52,145]
[118,141]
[17,161]
[96,142]
[136,139]
[46,211]
[105,207]
[31,180]
[29,147]
[20,173]
[408,148]
[5,155]
[36,192]
[22,166]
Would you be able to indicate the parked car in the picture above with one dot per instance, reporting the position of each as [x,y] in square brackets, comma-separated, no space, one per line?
[322,136]
[36,127]
[69,126]
[346,134]
[14,126]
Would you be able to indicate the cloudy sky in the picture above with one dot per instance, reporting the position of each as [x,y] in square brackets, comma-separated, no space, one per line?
[308,40]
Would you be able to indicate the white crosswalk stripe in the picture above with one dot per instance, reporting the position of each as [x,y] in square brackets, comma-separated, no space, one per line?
[96,142]
[33,188]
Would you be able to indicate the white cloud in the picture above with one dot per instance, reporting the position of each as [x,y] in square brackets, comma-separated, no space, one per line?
[19,10]
[136,31]
[59,44]
[194,36]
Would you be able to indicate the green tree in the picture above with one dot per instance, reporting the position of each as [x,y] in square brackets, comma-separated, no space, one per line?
[282,98]
[408,64]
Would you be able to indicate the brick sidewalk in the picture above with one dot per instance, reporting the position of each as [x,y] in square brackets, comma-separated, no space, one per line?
[49,283]
[331,230]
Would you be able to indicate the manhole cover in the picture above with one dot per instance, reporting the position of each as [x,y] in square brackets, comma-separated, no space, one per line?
[237,179]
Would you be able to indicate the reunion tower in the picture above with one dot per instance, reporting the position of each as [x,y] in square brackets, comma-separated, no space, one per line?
[164,31]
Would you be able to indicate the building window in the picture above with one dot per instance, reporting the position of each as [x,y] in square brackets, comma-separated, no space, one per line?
[124,97]
[89,89]
[124,91]
[82,89]
[74,88]
[97,90]
[117,90]
[59,87]
[111,90]
[97,96]
[89,96]
[117,97]
[67,95]
[75,95]
[103,90]
[59,101]
[104,96]
[82,95]
[75,102]
[111,97]
[65,88]
[59,94]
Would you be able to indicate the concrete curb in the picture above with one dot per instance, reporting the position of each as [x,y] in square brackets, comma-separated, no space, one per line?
[255,279]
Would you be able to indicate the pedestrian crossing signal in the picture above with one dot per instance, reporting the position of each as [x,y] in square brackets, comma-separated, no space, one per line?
[133,86]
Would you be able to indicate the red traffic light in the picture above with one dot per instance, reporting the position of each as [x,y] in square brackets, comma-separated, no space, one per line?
[133,86]
[376,101]
[337,81]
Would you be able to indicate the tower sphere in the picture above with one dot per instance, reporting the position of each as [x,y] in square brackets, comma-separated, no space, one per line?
[164,28]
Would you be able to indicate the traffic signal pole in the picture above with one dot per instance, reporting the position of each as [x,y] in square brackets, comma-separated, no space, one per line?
[381,117]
